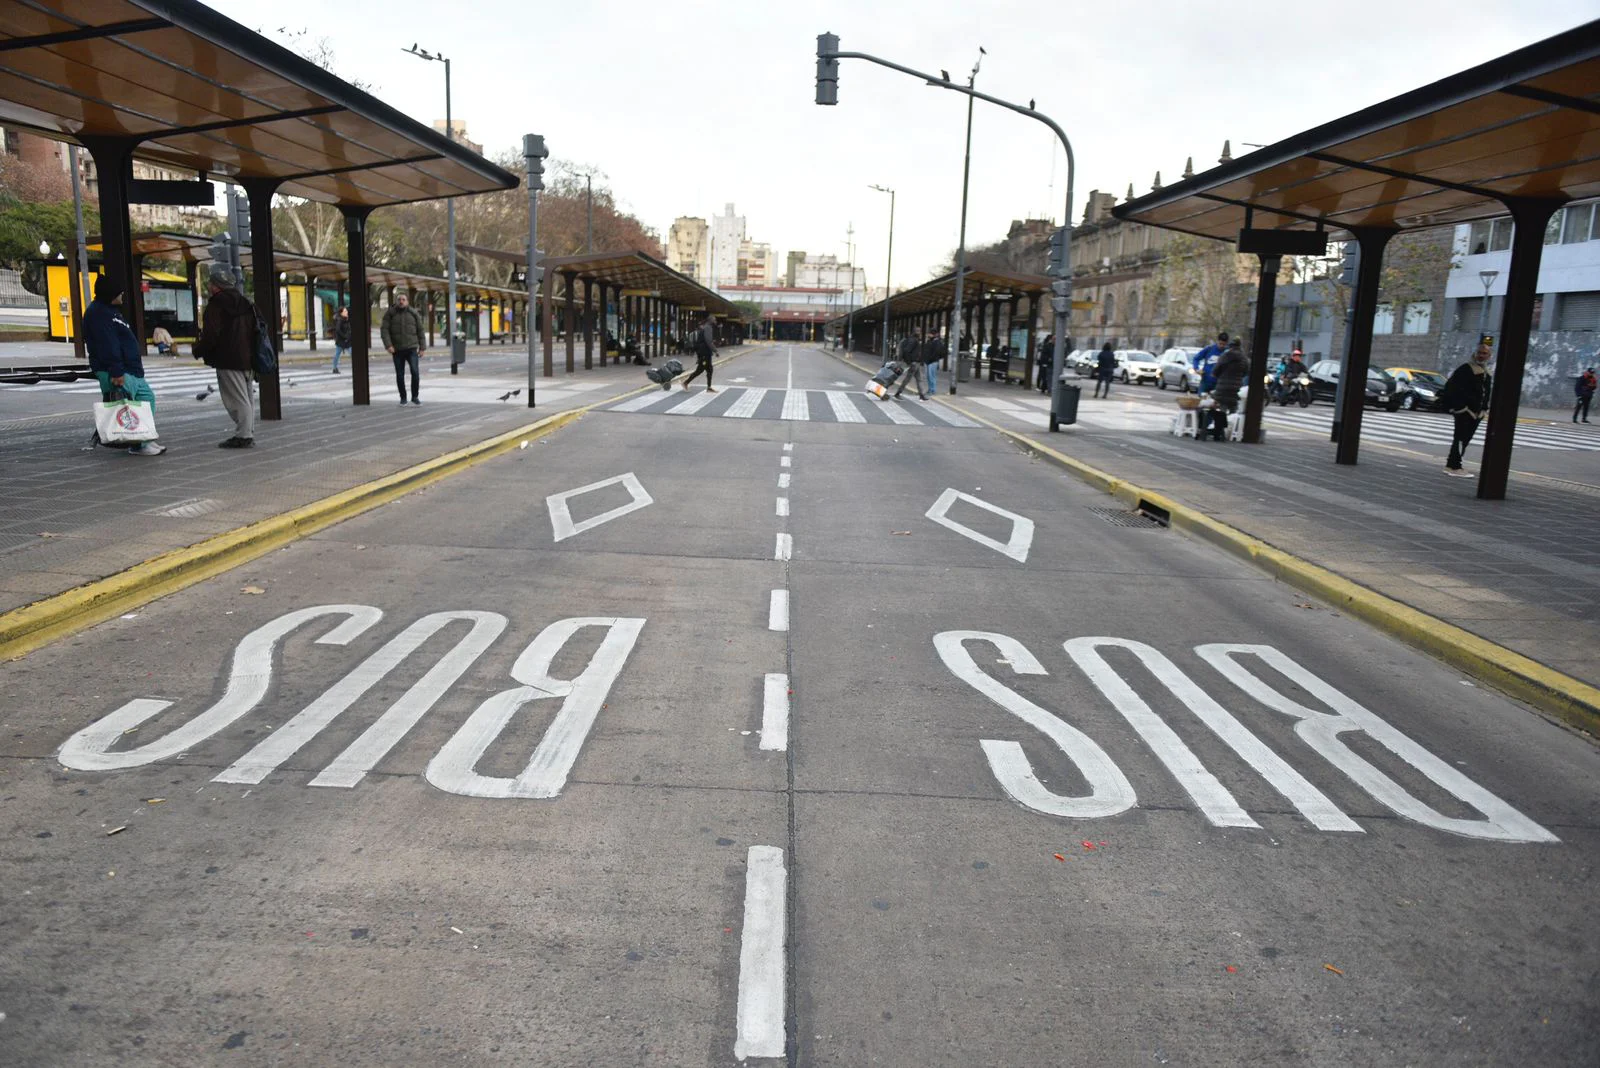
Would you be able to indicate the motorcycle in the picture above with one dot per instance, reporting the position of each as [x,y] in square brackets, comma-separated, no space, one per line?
[1294,388]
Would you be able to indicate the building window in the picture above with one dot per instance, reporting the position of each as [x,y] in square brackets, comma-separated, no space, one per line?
[1383,320]
[1310,320]
[1478,241]
[1552,229]
[1109,308]
[1576,226]
[1500,238]
[1578,311]
[1418,315]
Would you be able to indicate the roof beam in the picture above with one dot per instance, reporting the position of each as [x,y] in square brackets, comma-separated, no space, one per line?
[84,33]
[1560,100]
[1376,168]
[257,120]
[361,167]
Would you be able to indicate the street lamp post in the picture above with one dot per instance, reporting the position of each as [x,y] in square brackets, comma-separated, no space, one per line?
[888,270]
[1487,277]
[534,154]
[449,206]
[961,241]
[850,256]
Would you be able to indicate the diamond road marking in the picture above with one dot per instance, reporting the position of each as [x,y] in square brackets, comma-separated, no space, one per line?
[561,524]
[1016,547]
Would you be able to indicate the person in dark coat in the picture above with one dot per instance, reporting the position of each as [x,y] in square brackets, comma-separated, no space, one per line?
[1231,369]
[341,335]
[114,354]
[1586,388]
[1105,369]
[227,340]
[1466,396]
[910,354]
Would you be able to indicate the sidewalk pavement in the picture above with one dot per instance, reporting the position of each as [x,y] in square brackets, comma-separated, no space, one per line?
[1523,572]
[71,513]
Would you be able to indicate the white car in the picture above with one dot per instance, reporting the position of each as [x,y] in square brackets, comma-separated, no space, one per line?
[1138,366]
[1177,369]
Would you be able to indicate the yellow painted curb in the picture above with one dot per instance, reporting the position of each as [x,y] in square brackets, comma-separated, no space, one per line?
[1569,699]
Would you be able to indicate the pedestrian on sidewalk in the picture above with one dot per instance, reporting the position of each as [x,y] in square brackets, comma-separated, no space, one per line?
[114,355]
[1466,396]
[910,354]
[1105,369]
[1231,368]
[341,335]
[405,338]
[933,351]
[1047,353]
[227,340]
[705,351]
[1586,387]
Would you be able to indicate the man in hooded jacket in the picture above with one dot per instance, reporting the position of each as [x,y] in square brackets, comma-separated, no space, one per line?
[1466,396]
[226,343]
[114,354]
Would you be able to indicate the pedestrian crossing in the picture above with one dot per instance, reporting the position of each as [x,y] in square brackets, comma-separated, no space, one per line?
[1434,429]
[178,380]
[794,405]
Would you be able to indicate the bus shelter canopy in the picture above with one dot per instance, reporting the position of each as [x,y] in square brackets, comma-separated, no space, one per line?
[636,271]
[199,92]
[1524,126]
[939,295]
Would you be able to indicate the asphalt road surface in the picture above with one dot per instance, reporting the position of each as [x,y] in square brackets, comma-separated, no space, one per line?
[681,741]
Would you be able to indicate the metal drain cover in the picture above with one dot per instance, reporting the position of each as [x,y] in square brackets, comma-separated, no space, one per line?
[1121,517]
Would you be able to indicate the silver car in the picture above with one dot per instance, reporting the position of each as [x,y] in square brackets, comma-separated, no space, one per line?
[1177,369]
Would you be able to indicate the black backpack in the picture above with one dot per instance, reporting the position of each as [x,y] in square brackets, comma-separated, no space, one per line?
[263,358]
[702,347]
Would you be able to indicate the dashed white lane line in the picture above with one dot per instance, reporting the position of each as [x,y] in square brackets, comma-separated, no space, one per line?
[778,611]
[783,506]
[775,713]
[785,547]
[761,968]
[788,446]
[785,461]
[783,480]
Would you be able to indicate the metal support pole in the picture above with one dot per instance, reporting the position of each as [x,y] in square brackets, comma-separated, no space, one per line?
[1516,319]
[1260,342]
[81,273]
[265,274]
[888,275]
[1358,354]
[961,241]
[360,303]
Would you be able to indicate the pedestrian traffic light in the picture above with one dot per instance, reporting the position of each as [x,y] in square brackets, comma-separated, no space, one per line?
[534,153]
[827,68]
[1349,262]
[222,250]
[1058,253]
[239,221]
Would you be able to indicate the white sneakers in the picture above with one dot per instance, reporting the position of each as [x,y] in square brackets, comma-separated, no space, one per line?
[147,448]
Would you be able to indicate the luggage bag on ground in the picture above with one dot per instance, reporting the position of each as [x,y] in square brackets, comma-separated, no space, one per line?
[664,374]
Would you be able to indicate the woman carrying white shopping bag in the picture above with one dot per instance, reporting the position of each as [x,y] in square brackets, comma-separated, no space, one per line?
[114,358]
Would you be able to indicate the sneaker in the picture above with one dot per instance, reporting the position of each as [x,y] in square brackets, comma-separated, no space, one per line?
[1456,472]
[147,448]
[416,401]
[922,396]
[710,390]
[237,443]
[402,402]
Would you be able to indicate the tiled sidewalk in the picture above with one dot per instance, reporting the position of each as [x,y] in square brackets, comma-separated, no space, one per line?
[1523,572]
[70,513]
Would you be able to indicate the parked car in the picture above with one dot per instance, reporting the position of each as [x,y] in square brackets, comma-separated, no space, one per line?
[1138,366]
[1177,368]
[1381,391]
[1418,388]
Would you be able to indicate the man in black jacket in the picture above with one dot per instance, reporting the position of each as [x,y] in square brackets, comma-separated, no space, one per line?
[1105,370]
[1231,369]
[1466,396]
[227,340]
[910,354]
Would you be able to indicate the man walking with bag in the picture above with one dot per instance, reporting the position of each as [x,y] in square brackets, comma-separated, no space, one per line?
[405,338]
[114,355]
[703,341]
[911,355]
[227,340]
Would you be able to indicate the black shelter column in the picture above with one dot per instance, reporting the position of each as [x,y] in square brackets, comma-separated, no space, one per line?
[113,160]
[311,311]
[264,273]
[1358,354]
[571,280]
[1260,341]
[588,324]
[1522,286]
[359,302]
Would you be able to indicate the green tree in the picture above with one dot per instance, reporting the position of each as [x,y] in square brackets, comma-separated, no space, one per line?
[1200,284]
[24,224]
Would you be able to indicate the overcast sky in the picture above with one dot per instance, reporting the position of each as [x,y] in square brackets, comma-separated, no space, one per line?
[688,106]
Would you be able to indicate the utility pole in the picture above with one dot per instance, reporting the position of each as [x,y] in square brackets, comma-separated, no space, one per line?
[534,154]
[450,215]
[888,271]
[961,242]
[588,190]
[850,254]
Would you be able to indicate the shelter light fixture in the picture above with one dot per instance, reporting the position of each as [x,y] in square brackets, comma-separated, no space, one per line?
[44,248]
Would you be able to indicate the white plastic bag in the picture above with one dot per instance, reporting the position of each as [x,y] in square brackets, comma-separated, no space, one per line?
[125,420]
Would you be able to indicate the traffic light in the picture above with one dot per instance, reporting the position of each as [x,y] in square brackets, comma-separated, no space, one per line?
[534,153]
[222,250]
[1349,262]
[239,218]
[1058,253]
[827,68]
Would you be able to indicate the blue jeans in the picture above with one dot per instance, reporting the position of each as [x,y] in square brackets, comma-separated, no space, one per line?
[933,385]
[338,351]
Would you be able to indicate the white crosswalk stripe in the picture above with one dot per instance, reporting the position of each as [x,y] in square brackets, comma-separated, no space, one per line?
[1434,429]
[178,380]
[795,405]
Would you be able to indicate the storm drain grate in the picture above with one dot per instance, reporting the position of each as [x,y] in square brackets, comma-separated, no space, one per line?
[1121,517]
[192,508]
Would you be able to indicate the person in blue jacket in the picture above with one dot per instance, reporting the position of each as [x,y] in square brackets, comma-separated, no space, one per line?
[114,354]
[1206,359]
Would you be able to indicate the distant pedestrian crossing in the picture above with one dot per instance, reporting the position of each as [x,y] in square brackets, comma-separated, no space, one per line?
[1433,429]
[177,380]
[795,405]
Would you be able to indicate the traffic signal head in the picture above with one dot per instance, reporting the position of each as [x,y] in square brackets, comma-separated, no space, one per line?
[239,221]
[534,153]
[827,68]
[1349,263]
[1058,252]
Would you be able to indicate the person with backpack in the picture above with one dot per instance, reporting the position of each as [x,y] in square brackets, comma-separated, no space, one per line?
[705,350]
[910,354]
[1586,387]
[227,343]
[405,337]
